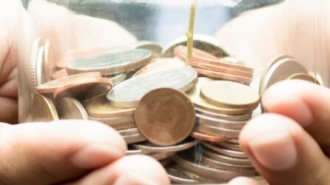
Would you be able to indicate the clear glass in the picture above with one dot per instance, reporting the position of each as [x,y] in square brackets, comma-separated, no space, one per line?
[243,35]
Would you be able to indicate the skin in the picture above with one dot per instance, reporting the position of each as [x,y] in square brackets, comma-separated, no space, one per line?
[59,153]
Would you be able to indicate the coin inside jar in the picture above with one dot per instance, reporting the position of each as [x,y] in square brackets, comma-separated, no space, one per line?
[165,116]
[231,94]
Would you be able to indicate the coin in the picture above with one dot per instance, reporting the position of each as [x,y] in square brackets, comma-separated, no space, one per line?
[130,131]
[279,70]
[118,123]
[223,76]
[85,90]
[239,117]
[226,159]
[208,138]
[34,60]
[111,62]
[224,151]
[165,116]
[221,123]
[201,41]
[199,102]
[160,64]
[70,108]
[187,162]
[51,86]
[230,94]
[203,60]
[128,93]
[178,175]
[155,48]
[43,109]
[134,138]
[216,131]
[59,74]
[102,108]
[117,78]
[303,76]
[147,147]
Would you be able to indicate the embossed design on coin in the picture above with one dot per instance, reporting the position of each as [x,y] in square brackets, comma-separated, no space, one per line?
[128,93]
[165,116]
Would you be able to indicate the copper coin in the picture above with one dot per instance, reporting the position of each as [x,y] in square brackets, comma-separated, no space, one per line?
[279,70]
[111,62]
[202,57]
[128,93]
[216,131]
[201,41]
[70,108]
[88,89]
[165,116]
[43,109]
[208,138]
[230,94]
[68,81]
[160,64]
[102,108]
[224,76]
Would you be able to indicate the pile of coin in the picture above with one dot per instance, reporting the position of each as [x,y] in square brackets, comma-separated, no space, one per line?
[162,105]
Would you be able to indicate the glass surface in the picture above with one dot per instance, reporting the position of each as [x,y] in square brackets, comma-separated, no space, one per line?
[61,35]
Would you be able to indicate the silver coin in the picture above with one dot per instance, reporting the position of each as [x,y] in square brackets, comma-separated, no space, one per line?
[162,156]
[279,70]
[224,151]
[128,93]
[180,176]
[117,78]
[155,48]
[216,131]
[151,148]
[238,117]
[201,41]
[226,159]
[134,138]
[221,123]
[111,62]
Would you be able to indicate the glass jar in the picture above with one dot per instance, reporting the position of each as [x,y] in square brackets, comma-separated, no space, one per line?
[125,63]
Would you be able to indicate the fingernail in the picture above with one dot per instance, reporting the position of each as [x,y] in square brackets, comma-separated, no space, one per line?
[133,179]
[275,151]
[95,155]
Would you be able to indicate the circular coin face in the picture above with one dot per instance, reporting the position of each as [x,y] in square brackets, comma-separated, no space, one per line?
[165,116]
[43,109]
[70,108]
[226,93]
[128,93]
[111,62]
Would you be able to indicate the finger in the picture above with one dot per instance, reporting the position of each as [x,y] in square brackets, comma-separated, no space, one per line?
[137,170]
[48,153]
[283,153]
[243,181]
[306,103]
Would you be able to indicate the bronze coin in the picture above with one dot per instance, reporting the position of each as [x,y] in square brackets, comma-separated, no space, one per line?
[224,76]
[208,138]
[165,116]
[86,90]
[203,57]
[43,109]
[68,81]
[70,108]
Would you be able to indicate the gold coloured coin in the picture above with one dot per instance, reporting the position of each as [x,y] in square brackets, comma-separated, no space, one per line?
[199,102]
[303,76]
[230,94]
[70,108]
[165,116]
[43,109]
[111,62]
[102,108]
[221,123]
[118,123]
[239,117]
[128,93]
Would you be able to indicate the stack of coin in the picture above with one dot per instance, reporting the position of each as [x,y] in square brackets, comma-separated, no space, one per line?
[159,105]
[211,66]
